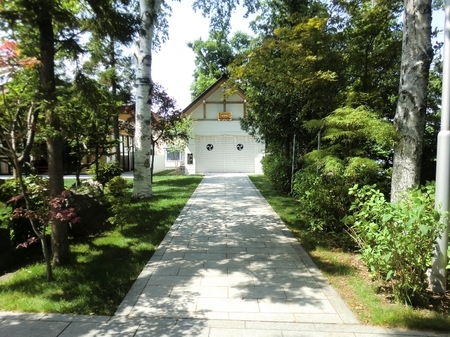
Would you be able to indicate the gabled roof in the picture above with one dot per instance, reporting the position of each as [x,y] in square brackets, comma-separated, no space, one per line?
[208,92]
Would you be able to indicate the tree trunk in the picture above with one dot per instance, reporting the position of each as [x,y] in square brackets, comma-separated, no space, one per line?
[152,166]
[59,231]
[40,235]
[115,114]
[142,186]
[409,118]
[116,135]
[78,166]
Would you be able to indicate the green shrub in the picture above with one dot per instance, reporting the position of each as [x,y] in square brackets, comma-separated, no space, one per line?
[89,187]
[105,172]
[365,171]
[117,187]
[278,170]
[117,194]
[323,203]
[5,213]
[321,188]
[5,236]
[38,192]
[396,239]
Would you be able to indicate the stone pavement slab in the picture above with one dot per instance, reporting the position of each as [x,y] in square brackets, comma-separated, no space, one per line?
[228,267]
[229,256]
[30,325]
[237,262]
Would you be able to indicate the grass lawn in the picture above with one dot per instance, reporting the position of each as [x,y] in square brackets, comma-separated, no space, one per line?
[103,267]
[349,277]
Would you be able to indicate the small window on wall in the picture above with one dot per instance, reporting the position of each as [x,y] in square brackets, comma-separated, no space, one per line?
[173,155]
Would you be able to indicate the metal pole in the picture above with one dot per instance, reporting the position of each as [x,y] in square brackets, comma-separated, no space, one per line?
[293,162]
[438,276]
[318,140]
[318,148]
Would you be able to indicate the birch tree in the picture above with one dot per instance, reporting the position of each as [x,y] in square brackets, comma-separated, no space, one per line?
[142,186]
[150,11]
[409,118]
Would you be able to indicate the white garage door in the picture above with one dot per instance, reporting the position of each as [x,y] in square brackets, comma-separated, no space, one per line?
[228,154]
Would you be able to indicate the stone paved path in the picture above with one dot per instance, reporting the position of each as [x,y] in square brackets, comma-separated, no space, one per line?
[228,267]
[230,257]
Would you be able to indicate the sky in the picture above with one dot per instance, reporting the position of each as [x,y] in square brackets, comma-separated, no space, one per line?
[173,65]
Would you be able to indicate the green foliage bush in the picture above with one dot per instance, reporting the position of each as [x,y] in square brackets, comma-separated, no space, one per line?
[278,170]
[396,239]
[323,203]
[5,213]
[89,187]
[117,194]
[38,192]
[105,172]
[321,188]
[117,187]
[5,237]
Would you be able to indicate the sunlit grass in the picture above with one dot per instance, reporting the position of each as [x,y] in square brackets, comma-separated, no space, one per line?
[103,267]
[348,275]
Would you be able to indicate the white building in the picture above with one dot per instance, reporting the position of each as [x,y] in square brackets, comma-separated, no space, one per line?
[219,144]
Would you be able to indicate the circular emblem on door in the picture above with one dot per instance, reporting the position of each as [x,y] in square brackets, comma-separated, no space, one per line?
[209,147]
[240,147]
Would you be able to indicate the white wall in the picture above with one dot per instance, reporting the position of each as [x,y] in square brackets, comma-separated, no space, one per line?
[259,149]
[259,154]
[172,164]
[159,164]
[211,128]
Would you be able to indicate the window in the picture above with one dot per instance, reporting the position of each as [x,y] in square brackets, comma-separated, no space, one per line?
[173,155]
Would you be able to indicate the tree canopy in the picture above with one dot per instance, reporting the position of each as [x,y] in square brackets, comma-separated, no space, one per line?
[316,70]
[315,65]
[54,32]
[213,56]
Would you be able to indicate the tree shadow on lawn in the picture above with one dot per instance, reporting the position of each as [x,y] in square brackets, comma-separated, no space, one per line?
[435,322]
[335,268]
[429,316]
[95,282]
[175,181]
[102,268]
[153,218]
